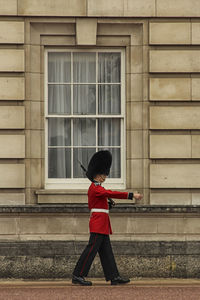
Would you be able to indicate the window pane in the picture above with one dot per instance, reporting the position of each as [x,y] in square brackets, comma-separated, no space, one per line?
[115,171]
[109,99]
[59,67]
[82,155]
[59,99]
[59,132]
[84,132]
[84,99]
[59,163]
[109,131]
[109,67]
[84,67]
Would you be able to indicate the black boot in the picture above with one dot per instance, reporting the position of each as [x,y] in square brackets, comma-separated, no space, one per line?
[119,280]
[80,280]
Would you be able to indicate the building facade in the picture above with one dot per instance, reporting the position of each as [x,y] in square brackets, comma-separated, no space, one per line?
[84,75]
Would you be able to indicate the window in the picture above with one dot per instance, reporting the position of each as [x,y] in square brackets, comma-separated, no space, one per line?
[84,113]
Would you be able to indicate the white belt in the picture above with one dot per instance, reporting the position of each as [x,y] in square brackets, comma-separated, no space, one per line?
[100,210]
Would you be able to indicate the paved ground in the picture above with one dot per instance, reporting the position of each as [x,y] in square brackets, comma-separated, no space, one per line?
[152,289]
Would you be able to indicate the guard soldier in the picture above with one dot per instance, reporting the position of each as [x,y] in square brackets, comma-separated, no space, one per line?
[100,228]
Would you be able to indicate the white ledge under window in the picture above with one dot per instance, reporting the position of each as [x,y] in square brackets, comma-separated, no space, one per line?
[60,192]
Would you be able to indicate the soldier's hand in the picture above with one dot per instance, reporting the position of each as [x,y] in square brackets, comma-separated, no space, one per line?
[111,203]
[137,196]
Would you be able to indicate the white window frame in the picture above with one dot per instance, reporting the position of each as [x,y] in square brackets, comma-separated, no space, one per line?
[83,183]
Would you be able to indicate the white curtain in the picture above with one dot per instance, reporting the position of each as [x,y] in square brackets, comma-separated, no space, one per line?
[59,156]
[84,97]
[110,135]
[59,99]
[109,103]
[84,134]
[84,140]
[59,67]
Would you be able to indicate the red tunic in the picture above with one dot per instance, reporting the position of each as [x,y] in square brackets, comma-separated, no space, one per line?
[98,198]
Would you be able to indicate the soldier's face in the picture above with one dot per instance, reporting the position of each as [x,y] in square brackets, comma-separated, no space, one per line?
[102,177]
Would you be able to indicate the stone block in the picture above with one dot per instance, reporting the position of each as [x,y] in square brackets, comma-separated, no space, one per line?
[170,198]
[11,60]
[105,8]
[134,144]
[61,198]
[146,166]
[195,146]
[30,194]
[145,59]
[35,143]
[195,33]
[58,40]
[8,7]
[12,176]
[12,88]
[8,226]
[81,226]
[174,175]
[175,61]
[170,89]
[62,8]
[36,115]
[139,8]
[170,146]
[113,41]
[64,28]
[134,87]
[178,8]
[86,31]
[169,33]
[12,117]
[130,227]
[135,174]
[185,117]
[192,225]
[33,83]
[120,225]
[12,199]
[145,88]
[35,60]
[145,225]
[195,198]
[11,32]
[12,146]
[146,144]
[195,89]
[136,55]
[33,225]
[171,225]
[61,225]
[120,34]
[35,173]
[134,115]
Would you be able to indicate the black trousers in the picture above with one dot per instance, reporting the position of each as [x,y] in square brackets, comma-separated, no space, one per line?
[97,243]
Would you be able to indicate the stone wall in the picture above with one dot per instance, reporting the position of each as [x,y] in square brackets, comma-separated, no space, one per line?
[160,241]
[162,92]
[55,259]
[162,66]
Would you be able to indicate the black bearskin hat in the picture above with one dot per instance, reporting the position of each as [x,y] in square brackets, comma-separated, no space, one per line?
[100,163]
